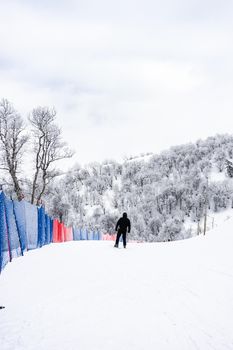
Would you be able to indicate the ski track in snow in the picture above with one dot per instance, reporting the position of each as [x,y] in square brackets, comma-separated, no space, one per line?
[90,296]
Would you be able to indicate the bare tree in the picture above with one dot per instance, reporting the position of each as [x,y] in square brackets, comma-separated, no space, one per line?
[48,149]
[13,140]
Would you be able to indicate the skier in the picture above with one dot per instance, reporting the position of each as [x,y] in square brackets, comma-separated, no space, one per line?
[121,227]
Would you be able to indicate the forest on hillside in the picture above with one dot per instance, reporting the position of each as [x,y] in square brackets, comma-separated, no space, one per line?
[161,193]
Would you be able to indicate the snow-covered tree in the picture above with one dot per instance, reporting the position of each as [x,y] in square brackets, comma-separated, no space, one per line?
[12,140]
[229,168]
[48,148]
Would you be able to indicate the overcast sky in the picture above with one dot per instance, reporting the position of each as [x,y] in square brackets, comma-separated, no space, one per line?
[125,76]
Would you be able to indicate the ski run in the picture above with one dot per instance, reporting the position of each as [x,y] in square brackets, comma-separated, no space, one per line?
[153,296]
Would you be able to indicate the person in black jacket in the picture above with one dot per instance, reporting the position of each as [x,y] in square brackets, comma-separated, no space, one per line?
[121,227]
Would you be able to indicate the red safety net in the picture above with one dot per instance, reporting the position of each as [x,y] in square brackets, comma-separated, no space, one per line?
[61,233]
[68,233]
[55,231]
[108,237]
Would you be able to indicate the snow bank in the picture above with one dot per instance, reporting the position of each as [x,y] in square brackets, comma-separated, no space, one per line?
[87,295]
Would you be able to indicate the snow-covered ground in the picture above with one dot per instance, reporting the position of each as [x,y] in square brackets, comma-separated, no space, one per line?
[90,296]
[213,220]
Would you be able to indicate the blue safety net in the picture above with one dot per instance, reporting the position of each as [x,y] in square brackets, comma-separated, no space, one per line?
[76,234]
[96,235]
[84,234]
[47,229]
[81,234]
[12,232]
[5,256]
[19,213]
[41,227]
[31,216]
[89,234]
[51,230]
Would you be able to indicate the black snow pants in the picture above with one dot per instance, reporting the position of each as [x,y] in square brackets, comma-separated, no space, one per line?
[119,233]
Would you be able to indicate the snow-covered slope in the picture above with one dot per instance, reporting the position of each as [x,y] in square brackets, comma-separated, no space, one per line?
[90,296]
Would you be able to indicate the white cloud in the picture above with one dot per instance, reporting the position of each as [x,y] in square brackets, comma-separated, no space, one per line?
[125,77]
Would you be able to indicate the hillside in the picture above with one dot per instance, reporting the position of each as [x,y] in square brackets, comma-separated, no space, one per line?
[166,195]
[88,295]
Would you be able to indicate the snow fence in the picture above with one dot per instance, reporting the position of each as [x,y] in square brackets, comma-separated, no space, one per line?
[24,226]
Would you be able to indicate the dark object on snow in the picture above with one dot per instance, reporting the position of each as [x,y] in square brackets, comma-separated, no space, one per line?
[229,167]
[2,307]
[121,227]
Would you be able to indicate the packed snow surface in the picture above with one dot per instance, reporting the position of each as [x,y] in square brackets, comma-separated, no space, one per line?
[91,296]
